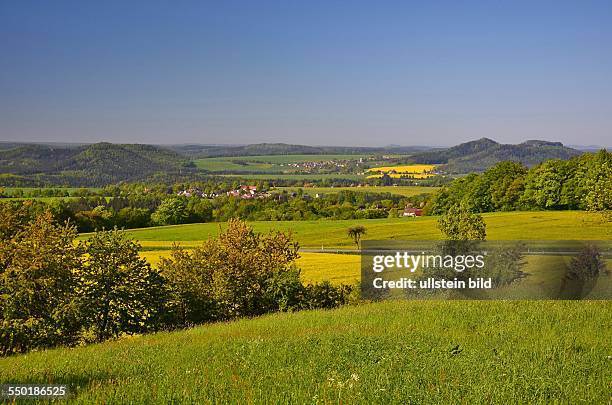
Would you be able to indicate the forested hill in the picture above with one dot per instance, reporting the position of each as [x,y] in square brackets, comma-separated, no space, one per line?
[479,155]
[92,165]
[105,163]
[203,151]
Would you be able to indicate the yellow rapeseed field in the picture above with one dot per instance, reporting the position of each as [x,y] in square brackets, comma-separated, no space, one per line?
[316,267]
[416,171]
[336,268]
[404,169]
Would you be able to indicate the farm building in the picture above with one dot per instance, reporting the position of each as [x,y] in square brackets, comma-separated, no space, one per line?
[412,212]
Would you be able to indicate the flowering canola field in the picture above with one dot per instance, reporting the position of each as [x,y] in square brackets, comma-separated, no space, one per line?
[415,171]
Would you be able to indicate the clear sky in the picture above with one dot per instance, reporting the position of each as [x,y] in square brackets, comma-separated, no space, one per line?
[310,72]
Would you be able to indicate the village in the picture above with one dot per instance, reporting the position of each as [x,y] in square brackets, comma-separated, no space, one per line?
[249,192]
[244,191]
[325,165]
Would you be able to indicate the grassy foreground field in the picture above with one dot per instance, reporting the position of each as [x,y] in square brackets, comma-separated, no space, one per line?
[390,352]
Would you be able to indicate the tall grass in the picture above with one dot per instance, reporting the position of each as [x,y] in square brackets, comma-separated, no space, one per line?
[391,352]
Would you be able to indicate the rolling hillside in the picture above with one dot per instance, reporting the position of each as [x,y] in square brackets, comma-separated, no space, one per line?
[543,225]
[92,165]
[203,151]
[105,163]
[483,153]
[491,352]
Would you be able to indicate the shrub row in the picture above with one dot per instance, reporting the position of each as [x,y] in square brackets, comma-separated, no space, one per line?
[55,290]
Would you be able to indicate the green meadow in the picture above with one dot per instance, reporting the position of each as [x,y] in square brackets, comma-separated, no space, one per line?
[390,352]
[344,268]
[405,191]
[291,176]
[268,163]
[561,225]
[227,164]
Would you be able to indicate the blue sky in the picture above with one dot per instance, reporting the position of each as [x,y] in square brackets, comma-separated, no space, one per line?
[316,72]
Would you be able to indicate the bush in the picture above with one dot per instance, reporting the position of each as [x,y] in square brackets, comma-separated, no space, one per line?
[325,295]
[37,261]
[118,291]
[233,269]
[285,291]
[171,211]
[188,281]
[54,291]
[242,273]
[461,224]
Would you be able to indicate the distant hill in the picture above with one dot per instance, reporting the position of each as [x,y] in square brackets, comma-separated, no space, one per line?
[590,148]
[105,163]
[479,155]
[95,164]
[13,145]
[203,151]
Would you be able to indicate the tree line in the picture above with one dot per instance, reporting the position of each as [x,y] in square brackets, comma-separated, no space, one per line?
[583,182]
[57,290]
[152,208]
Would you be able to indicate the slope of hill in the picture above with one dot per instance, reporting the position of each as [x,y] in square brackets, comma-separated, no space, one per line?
[494,352]
[92,165]
[203,151]
[105,163]
[479,155]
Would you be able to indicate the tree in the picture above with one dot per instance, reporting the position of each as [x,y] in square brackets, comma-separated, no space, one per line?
[582,273]
[460,224]
[199,210]
[544,185]
[355,233]
[241,273]
[504,183]
[244,262]
[189,282]
[598,182]
[588,264]
[386,180]
[285,291]
[92,220]
[130,217]
[237,274]
[118,291]
[37,264]
[171,211]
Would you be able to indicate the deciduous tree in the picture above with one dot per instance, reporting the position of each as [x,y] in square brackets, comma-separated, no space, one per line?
[355,233]
[460,224]
[118,290]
